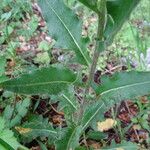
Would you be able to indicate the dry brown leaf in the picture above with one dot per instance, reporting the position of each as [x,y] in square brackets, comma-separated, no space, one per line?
[136,127]
[23,130]
[119,148]
[106,125]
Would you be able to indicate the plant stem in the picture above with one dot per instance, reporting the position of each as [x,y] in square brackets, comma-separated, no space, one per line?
[100,37]
[95,56]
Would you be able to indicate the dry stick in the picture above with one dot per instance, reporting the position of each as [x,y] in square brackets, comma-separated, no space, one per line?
[128,109]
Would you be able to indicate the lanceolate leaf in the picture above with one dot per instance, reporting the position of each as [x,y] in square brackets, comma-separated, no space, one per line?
[2,65]
[125,85]
[70,139]
[120,11]
[123,146]
[7,139]
[92,114]
[13,115]
[37,127]
[46,80]
[121,86]
[68,102]
[2,69]
[65,28]
[92,4]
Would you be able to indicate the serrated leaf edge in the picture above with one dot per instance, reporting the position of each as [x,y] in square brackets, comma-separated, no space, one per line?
[125,86]
[92,116]
[69,101]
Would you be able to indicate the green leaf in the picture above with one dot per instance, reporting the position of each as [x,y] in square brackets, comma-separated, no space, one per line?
[44,46]
[65,28]
[2,65]
[2,69]
[42,58]
[96,135]
[92,4]
[46,80]
[92,113]
[81,148]
[3,78]
[124,85]
[123,146]
[121,86]
[120,11]
[7,139]
[13,115]
[70,139]
[37,127]
[42,146]
[68,102]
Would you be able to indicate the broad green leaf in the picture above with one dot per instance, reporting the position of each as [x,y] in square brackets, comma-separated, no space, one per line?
[7,139]
[123,146]
[124,85]
[92,114]
[36,127]
[13,115]
[120,11]
[121,86]
[46,80]
[68,102]
[96,135]
[65,28]
[92,4]
[70,139]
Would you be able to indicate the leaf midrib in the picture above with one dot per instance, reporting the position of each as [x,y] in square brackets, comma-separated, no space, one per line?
[39,84]
[50,131]
[126,86]
[122,87]
[76,43]
[123,147]
[68,145]
[92,116]
[69,101]
[3,143]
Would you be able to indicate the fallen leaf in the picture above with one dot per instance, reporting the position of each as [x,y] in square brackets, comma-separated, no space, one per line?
[119,149]
[23,130]
[106,125]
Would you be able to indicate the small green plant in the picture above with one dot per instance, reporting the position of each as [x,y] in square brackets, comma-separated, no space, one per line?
[7,138]
[61,82]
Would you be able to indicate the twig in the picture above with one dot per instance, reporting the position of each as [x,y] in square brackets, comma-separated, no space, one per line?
[59,113]
[128,109]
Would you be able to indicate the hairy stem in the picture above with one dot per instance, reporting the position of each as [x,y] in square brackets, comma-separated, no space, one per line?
[102,18]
